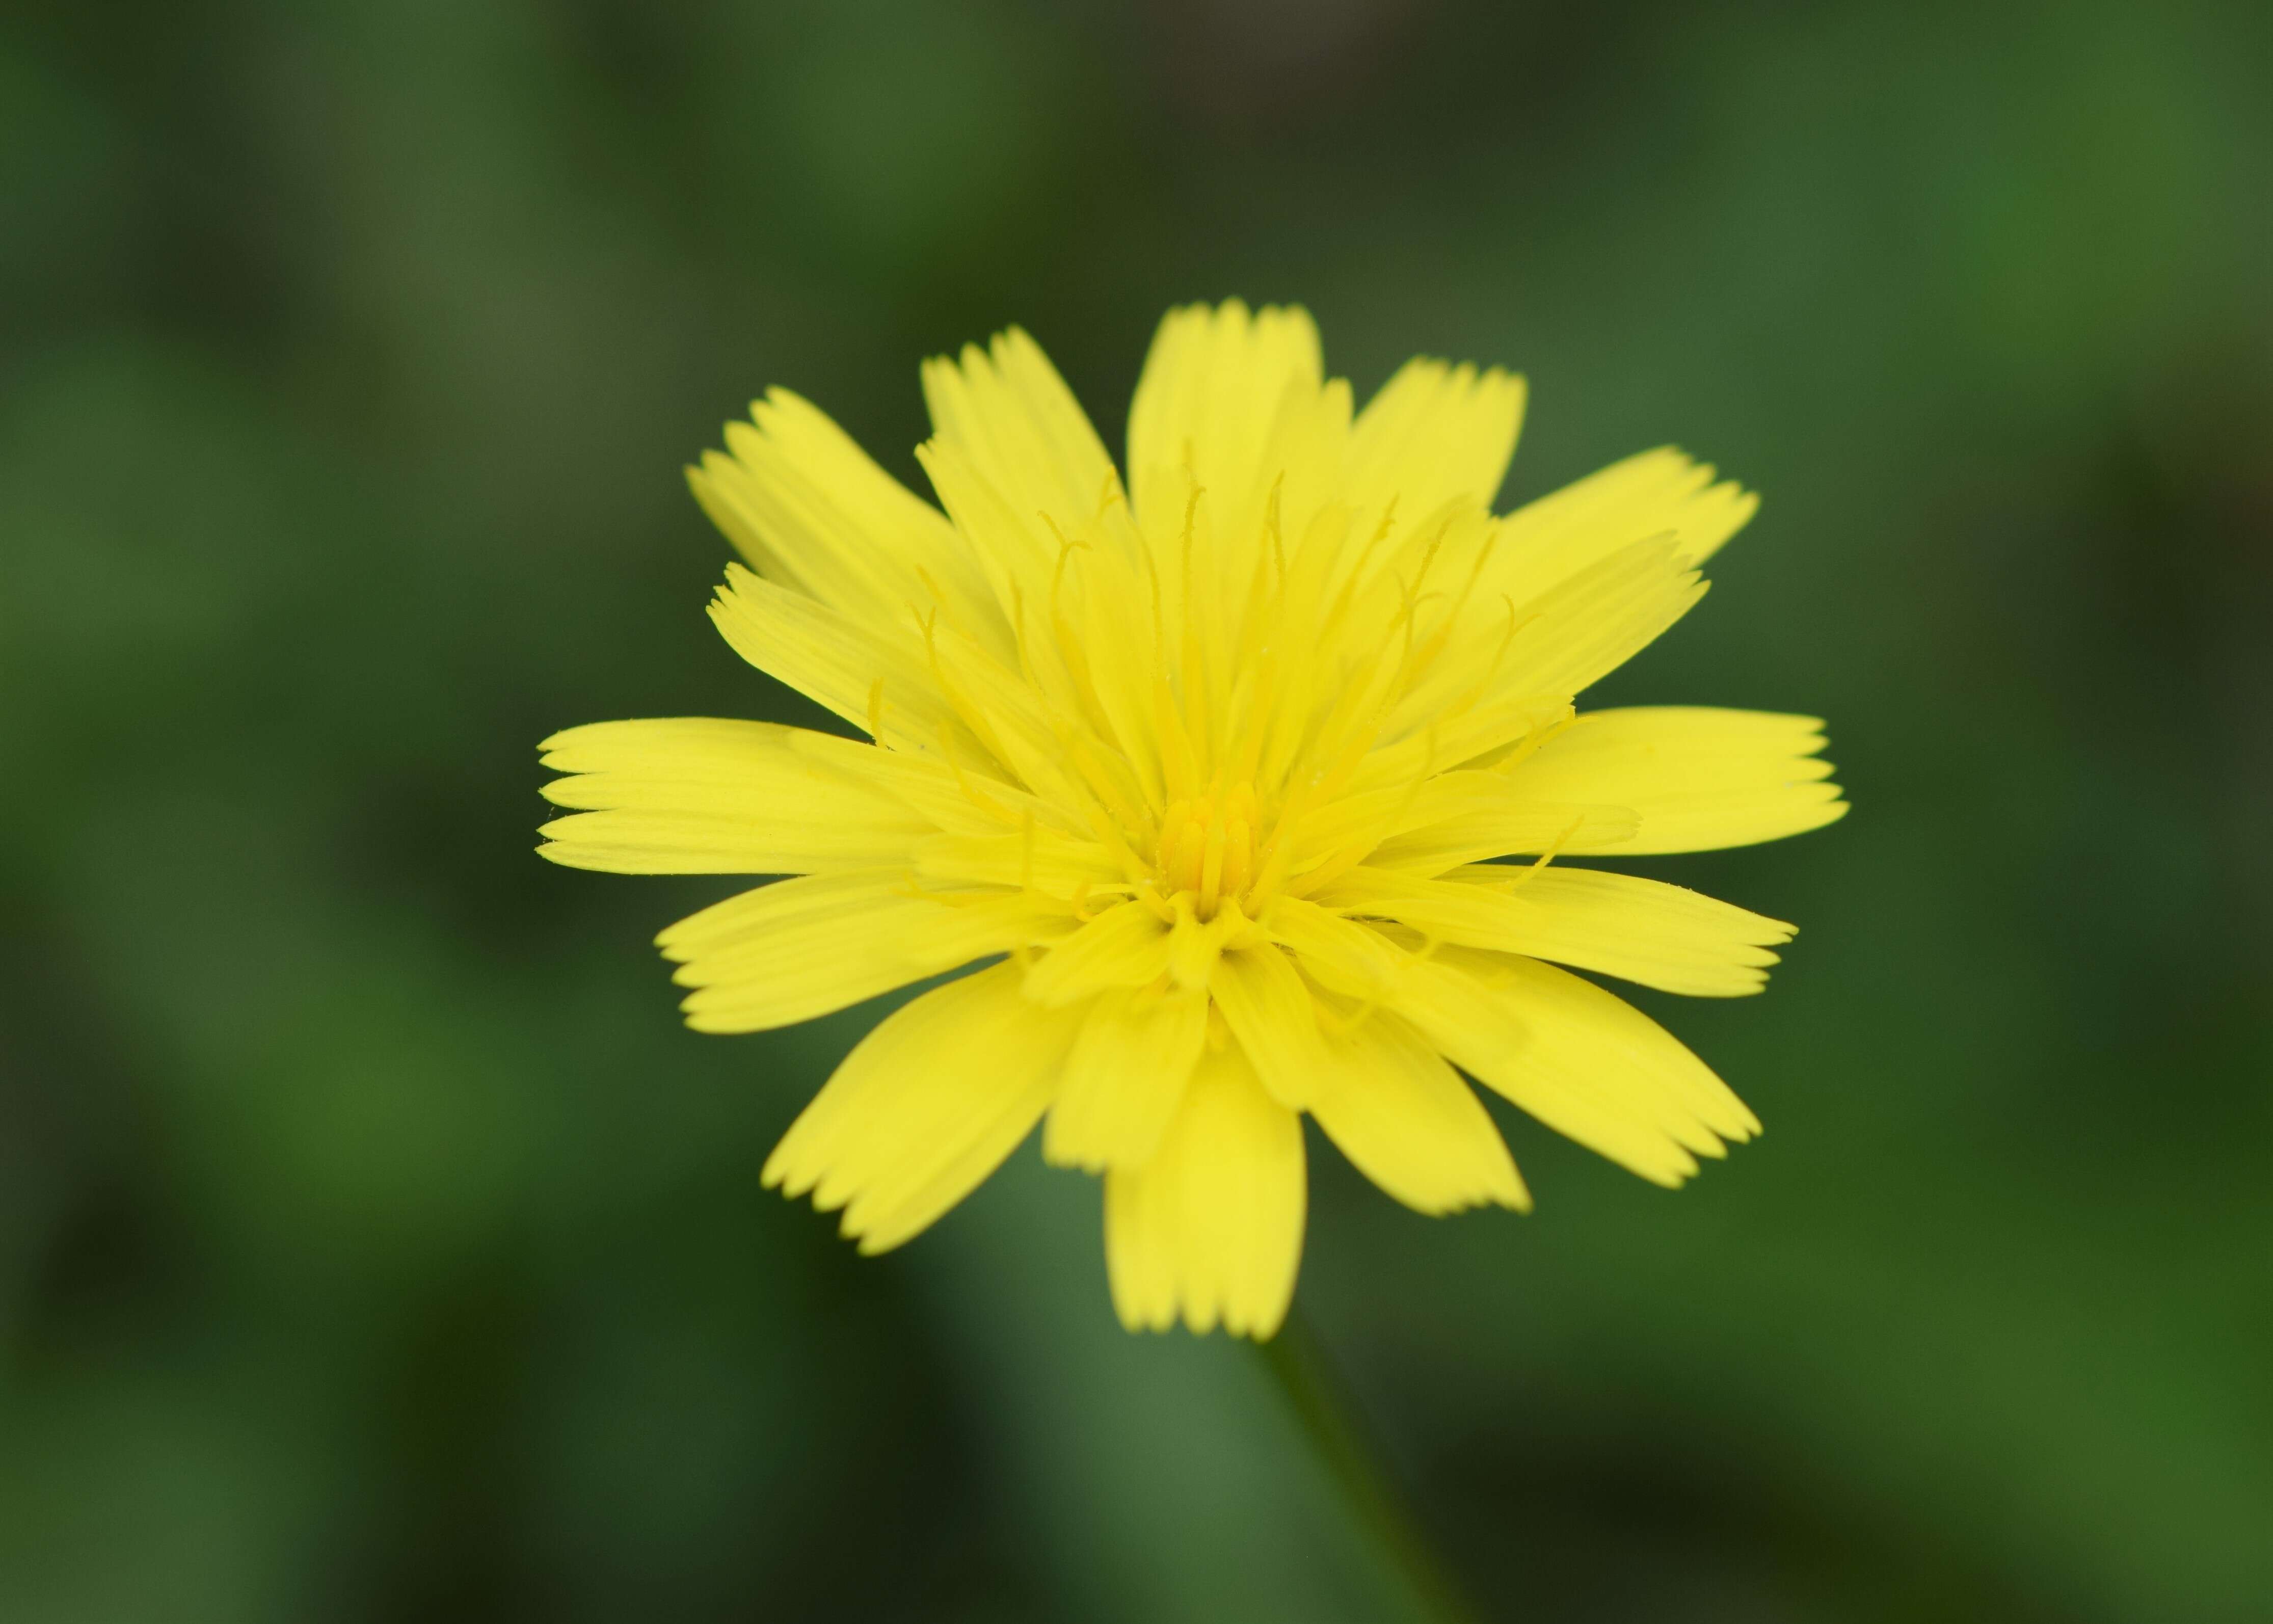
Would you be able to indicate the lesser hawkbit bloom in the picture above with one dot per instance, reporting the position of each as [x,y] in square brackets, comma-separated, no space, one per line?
[1212,769]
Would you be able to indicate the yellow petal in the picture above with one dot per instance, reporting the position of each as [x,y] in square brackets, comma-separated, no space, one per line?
[1099,623]
[1658,494]
[1476,700]
[926,1107]
[1012,543]
[1472,814]
[1490,581]
[1016,724]
[1583,1061]
[1517,828]
[1012,454]
[1125,1078]
[960,800]
[812,511]
[1045,860]
[1270,1011]
[1350,959]
[1235,445]
[1411,1125]
[1194,946]
[868,676]
[1211,1229]
[1127,945]
[1697,779]
[703,795]
[1217,385]
[1435,433]
[800,948]
[1644,930]
[1580,630]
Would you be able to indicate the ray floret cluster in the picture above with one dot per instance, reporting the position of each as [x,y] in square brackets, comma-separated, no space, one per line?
[1253,782]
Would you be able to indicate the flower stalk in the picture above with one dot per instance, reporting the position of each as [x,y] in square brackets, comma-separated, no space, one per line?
[1322,1401]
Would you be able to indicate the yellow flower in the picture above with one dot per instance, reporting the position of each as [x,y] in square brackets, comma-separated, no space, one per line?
[1214,764]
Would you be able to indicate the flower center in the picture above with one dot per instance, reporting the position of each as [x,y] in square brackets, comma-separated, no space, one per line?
[1207,847]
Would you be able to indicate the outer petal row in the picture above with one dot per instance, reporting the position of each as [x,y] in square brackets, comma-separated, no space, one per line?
[1211,1229]
[811,511]
[1642,930]
[1579,1059]
[1625,783]
[1204,1166]
[926,1107]
[801,948]
[1658,494]
[1436,434]
[1411,1123]
[1697,779]
[1217,387]
[703,795]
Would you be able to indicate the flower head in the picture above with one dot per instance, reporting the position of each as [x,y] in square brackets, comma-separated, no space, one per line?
[1218,765]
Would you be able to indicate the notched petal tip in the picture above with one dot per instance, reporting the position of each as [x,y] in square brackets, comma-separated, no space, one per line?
[1668,1176]
[1056,1153]
[570,852]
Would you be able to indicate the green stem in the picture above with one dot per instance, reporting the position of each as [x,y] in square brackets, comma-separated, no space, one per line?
[1321,1402]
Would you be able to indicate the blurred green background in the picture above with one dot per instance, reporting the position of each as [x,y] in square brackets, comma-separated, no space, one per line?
[374,1244]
